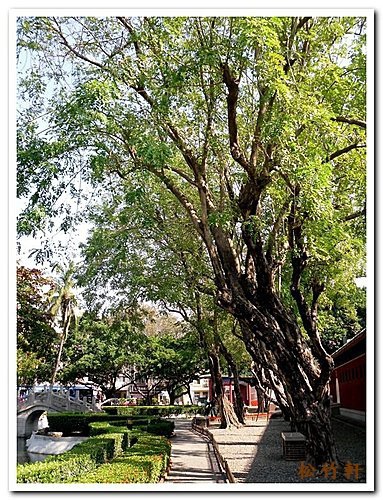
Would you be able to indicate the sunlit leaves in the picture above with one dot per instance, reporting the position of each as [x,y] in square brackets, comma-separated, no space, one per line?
[147,93]
[35,332]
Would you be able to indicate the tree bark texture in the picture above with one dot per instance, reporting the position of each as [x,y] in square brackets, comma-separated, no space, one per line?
[273,339]
[239,406]
[226,412]
[64,334]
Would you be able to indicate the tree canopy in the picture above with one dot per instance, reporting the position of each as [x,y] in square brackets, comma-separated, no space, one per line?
[104,348]
[35,332]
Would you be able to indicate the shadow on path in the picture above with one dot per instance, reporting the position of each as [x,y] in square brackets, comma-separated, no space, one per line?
[254,454]
[192,457]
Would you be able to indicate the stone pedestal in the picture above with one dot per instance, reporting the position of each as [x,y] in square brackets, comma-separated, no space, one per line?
[293,446]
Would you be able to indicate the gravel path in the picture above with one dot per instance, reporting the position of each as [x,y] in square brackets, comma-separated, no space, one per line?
[254,453]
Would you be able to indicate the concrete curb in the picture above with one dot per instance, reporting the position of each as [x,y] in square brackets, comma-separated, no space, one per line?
[221,460]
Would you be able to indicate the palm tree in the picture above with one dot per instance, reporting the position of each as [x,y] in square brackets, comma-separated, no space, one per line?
[63,310]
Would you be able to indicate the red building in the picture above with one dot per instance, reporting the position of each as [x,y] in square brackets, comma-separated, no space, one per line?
[248,393]
[348,380]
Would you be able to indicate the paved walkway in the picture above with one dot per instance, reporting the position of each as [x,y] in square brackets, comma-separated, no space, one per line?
[192,456]
[254,454]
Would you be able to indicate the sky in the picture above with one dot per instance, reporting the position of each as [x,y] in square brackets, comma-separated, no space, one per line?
[7,202]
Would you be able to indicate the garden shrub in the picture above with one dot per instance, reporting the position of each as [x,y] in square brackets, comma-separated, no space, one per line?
[122,472]
[151,445]
[161,411]
[111,454]
[144,462]
[55,471]
[81,458]
[69,422]
[128,469]
[98,428]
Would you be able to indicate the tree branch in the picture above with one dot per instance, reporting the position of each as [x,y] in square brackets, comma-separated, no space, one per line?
[257,132]
[276,226]
[74,51]
[182,174]
[351,121]
[232,86]
[343,151]
[302,22]
[355,215]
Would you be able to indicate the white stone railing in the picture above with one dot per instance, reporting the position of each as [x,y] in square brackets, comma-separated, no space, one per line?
[59,401]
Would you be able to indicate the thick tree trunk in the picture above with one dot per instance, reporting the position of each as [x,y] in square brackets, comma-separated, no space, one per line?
[225,408]
[298,370]
[190,394]
[239,406]
[295,377]
[109,392]
[226,411]
[172,397]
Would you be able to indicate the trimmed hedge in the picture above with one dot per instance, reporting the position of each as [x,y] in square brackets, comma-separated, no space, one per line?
[81,458]
[144,462]
[150,445]
[70,422]
[160,411]
[54,471]
[155,426]
[123,472]
[112,455]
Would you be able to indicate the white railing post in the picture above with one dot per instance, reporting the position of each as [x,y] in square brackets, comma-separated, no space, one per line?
[49,399]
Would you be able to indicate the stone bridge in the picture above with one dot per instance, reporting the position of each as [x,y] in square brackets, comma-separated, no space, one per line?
[30,409]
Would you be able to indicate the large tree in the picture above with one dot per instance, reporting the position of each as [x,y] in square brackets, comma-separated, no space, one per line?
[104,348]
[35,332]
[173,362]
[257,128]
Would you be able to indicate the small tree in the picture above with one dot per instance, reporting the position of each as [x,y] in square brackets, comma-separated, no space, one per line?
[63,311]
[174,362]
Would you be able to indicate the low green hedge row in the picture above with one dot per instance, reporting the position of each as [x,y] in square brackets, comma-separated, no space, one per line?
[122,472]
[70,422]
[150,445]
[81,458]
[155,426]
[161,411]
[54,471]
[97,428]
[112,455]
[145,462]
